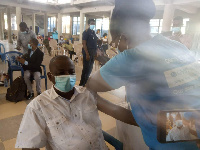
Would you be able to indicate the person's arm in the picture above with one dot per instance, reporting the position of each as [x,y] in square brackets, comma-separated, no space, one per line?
[18,42]
[115,111]
[84,42]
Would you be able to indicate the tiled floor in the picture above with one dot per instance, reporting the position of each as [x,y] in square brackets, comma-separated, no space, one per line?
[11,113]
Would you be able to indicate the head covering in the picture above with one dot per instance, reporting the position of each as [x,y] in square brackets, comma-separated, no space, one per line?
[135,8]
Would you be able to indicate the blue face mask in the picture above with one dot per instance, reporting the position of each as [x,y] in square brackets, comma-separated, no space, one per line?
[24,32]
[176,29]
[29,46]
[65,83]
[92,27]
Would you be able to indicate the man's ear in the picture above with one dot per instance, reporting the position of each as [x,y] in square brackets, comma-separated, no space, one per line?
[51,77]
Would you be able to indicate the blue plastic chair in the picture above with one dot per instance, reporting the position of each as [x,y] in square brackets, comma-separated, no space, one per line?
[112,141]
[44,75]
[13,64]
[2,51]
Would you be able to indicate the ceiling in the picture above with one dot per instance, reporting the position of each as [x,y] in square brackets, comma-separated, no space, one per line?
[30,7]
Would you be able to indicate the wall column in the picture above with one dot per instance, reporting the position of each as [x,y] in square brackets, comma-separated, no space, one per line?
[33,23]
[59,25]
[45,24]
[168,16]
[18,17]
[82,16]
[9,25]
[1,25]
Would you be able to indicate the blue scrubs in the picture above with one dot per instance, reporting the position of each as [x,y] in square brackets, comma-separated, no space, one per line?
[159,74]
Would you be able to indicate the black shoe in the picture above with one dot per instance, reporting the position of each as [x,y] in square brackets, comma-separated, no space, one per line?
[38,93]
[30,95]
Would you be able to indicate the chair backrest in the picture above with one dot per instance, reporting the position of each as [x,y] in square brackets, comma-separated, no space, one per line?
[2,50]
[78,48]
[12,58]
[110,53]
[53,43]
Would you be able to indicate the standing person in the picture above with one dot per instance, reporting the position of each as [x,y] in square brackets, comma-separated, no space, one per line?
[31,65]
[152,83]
[89,51]
[55,34]
[24,36]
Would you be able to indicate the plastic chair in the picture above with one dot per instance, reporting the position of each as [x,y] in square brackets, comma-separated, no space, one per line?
[112,141]
[2,52]
[55,48]
[44,75]
[13,64]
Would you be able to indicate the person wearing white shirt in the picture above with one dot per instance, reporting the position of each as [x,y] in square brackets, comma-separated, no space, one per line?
[65,116]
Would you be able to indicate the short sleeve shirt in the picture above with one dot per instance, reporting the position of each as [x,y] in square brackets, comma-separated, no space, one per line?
[58,124]
[91,39]
[159,74]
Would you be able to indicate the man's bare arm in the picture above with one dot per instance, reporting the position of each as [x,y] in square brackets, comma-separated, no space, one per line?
[115,111]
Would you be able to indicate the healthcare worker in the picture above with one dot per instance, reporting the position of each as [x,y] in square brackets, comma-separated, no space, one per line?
[158,73]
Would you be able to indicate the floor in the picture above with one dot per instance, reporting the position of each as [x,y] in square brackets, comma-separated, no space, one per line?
[11,113]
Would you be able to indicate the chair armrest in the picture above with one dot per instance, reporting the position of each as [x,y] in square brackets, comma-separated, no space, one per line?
[44,69]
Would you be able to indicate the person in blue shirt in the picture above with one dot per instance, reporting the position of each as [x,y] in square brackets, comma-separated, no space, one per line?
[158,73]
[55,34]
[89,51]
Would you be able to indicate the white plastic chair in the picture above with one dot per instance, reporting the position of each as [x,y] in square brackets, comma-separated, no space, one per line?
[55,48]
[78,49]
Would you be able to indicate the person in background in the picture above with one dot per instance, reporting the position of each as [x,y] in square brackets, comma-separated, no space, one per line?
[177,33]
[24,37]
[31,64]
[55,34]
[152,83]
[46,44]
[98,34]
[89,51]
[69,47]
[61,41]
[105,42]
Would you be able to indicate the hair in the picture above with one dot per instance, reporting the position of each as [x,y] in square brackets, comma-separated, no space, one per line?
[105,34]
[91,20]
[136,11]
[34,41]
[23,24]
[98,30]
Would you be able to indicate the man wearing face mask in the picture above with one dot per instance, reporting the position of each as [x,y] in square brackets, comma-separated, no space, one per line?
[63,117]
[177,34]
[31,65]
[89,51]
[24,36]
[179,132]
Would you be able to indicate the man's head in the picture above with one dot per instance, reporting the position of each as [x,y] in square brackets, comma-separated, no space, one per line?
[23,26]
[33,44]
[179,124]
[54,29]
[105,35]
[177,24]
[130,19]
[62,73]
[61,37]
[91,23]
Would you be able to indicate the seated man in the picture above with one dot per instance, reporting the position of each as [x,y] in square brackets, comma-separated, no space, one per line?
[69,47]
[65,116]
[31,65]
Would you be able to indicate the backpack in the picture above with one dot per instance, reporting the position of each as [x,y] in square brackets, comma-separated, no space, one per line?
[17,90]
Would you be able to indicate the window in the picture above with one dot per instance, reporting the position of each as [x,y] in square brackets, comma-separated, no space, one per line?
[5,20]
[66,24]
[51,23]
[156,25]
[76,25]
[13,22]
[103,25]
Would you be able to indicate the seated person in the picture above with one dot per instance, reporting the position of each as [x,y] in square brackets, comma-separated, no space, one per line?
[69,47]
[61,41]
[65,116]
[101,56]
[31,65]
[46,44]
[105,42]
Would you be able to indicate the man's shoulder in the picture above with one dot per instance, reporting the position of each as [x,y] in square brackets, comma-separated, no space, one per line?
[41,100]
